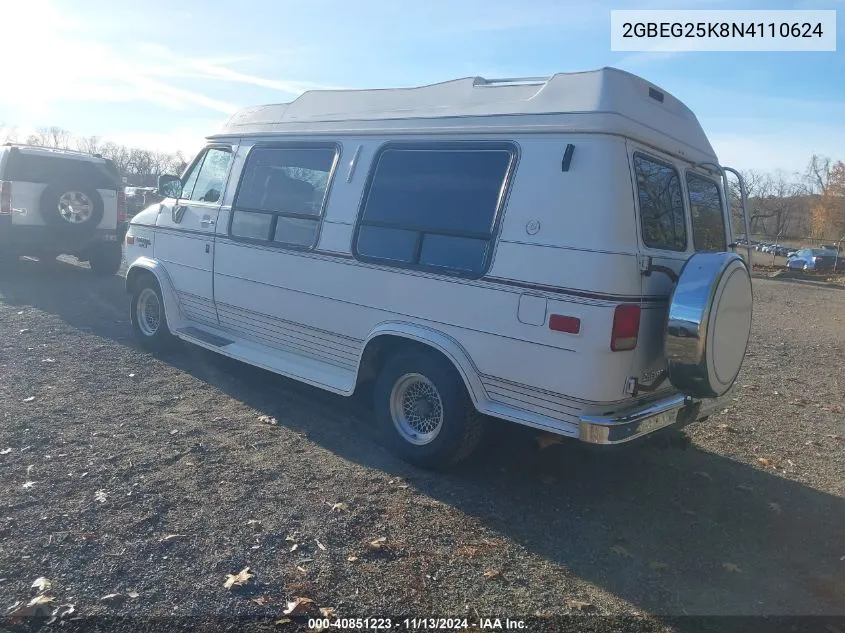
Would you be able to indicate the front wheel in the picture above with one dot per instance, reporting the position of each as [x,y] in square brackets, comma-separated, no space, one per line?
[424,411]
[149,322]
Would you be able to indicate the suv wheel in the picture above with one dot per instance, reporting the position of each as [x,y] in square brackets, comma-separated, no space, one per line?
[424,411]
[105,259]
[71,207]
[147,314]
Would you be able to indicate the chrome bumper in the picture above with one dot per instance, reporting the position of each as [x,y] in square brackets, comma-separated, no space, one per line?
[625,426]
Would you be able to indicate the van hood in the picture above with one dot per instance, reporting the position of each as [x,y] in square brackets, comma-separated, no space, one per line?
[147,216]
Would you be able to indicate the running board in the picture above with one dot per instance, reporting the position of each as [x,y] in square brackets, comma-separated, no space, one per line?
[205,337]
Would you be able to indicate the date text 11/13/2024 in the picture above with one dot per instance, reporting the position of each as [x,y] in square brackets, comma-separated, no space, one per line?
[416,624]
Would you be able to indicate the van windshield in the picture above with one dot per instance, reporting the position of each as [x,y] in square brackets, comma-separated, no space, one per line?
[708,219]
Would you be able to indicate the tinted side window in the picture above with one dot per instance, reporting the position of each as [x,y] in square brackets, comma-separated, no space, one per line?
[434,207]
[661,204]
[42,168]
[708,220]
[290,184]
[211,176]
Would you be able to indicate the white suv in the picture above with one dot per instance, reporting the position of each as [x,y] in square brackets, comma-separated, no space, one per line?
[55,202]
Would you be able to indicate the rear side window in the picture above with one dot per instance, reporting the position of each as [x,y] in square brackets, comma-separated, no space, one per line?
[282,194]
[661,204]
[434,207]
[40,168]
[708,220]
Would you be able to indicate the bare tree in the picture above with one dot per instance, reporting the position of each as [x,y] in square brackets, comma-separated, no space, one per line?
[54,136]
[8,133]
[818,174]
[89,144]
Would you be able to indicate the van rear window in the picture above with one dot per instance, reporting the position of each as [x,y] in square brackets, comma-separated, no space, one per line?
[661,200]
[708,219]
[434,206]
[39,168]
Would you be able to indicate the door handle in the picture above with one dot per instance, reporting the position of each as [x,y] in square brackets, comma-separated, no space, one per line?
[207,221]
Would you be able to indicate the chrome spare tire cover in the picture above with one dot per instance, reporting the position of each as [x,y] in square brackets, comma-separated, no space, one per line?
[708,324]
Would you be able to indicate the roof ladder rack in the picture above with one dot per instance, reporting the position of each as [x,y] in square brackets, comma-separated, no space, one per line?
[483,81]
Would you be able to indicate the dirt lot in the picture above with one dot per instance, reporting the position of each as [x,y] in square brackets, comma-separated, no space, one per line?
[107,452]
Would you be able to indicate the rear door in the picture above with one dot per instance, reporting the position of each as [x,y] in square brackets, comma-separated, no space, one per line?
[185,232]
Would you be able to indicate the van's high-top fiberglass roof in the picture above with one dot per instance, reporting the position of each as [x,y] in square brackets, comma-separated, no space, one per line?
[600,101]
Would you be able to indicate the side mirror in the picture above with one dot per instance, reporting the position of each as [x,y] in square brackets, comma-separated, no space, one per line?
[170,186]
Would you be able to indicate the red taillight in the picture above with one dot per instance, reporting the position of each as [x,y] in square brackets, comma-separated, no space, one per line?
[626,328]
[121,205]
[130,240]
[568,324]
[5,198]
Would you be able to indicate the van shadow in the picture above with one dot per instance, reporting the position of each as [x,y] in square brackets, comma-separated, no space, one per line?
[672,531]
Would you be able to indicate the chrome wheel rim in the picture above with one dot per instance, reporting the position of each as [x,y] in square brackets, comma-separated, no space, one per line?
[416,409]
[75,207]
[148,312]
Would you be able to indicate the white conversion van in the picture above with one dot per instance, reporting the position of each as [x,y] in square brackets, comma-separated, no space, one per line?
[555,252]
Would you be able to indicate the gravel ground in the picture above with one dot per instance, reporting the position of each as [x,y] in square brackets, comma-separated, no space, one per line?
[154,478]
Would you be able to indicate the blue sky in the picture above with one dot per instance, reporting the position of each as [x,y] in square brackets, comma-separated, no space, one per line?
[163,74]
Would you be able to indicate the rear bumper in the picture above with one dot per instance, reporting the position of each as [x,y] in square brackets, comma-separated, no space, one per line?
[22,239]
[625,426]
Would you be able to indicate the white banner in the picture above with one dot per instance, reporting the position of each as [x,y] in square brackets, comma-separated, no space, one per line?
[722,30]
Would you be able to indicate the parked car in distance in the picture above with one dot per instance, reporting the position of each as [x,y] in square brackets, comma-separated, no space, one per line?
[420,243]
[815,259]
[55,202]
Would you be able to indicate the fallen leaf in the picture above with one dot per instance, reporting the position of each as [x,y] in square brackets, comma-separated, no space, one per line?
[87,536]
[579,605]
[548,439]
[133,594]
[5,451]
[28,484]
[291,537]
[100,496]
[297,606]
[39,605]
[765,461]
[656,565]
[62,611]
[266,419]
[282,621]
[320,545]
[170,538]
[294,547]
[705,475]
[174,431]
[728,428]
[548,479]
[724,411]
[113,597]
[492,574]
[836,408]
[327,612]
[302,569]
[775,507]
[621,551]
[379,544]
[255,523]
[745,487]
[352,558]
[29,399]
[469,552]
[42,584]
[731,568]
[262,600]
[131,375]
[48,360]
[24,331]
[338,507]
[240,579]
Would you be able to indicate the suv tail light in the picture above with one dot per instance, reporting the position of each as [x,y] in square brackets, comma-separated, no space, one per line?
[5,198]
[121,205]
[626,327]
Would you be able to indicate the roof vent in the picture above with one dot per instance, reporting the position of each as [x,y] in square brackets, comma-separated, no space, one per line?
[655,94]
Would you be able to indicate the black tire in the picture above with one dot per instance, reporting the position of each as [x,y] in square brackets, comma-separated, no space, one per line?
[461,427]
[160,339]
[105,259]
[49,207]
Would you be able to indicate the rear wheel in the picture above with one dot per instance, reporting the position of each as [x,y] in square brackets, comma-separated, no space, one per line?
[105,259]
[424,411]
[148,318]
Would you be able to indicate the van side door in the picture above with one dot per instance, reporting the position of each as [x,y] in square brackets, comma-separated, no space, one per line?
[185,232]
